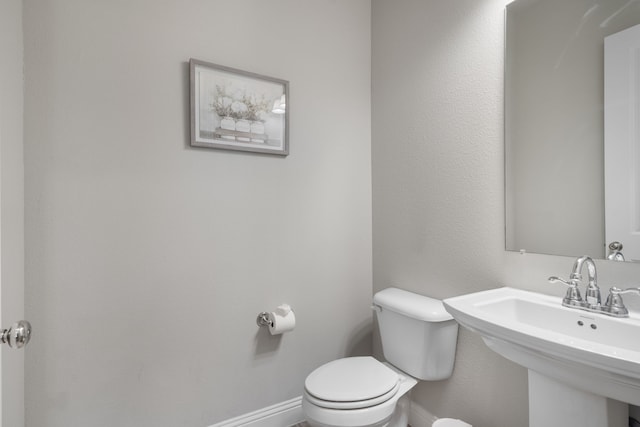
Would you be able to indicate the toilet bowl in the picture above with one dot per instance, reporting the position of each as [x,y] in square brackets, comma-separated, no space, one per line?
[418,340]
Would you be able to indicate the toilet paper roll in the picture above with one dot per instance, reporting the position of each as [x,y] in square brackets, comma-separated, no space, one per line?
[282,320]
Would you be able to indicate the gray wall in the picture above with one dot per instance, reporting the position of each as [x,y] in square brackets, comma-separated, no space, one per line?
[12,206]
[149,260]
[437,180]
[438,221]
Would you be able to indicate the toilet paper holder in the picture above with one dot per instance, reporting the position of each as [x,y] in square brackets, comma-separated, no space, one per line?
[279,321]
[264,319]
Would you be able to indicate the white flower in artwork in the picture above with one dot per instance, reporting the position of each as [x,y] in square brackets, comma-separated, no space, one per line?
[238,107]
[238,93]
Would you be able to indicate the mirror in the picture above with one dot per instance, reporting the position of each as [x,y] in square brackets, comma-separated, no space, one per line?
[554,123]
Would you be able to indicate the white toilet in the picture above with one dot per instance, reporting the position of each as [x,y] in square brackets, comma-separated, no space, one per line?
[419,343]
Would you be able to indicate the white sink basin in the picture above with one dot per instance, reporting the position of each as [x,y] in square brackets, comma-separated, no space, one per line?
[591,352]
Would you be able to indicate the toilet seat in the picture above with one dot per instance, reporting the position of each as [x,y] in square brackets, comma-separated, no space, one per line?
[351,383]
[357,404]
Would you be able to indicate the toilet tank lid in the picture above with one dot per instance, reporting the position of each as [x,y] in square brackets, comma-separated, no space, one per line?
[412,305]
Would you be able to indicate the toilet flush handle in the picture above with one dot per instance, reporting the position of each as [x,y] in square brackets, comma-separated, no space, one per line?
[376,308]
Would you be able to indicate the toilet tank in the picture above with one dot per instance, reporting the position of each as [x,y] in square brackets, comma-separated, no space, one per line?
[418,335]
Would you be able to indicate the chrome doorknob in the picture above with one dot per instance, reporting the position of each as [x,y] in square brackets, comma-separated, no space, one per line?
[615,246]
[18,335]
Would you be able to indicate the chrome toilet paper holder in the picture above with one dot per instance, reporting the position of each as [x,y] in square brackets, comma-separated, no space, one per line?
[264,319]
[279,321]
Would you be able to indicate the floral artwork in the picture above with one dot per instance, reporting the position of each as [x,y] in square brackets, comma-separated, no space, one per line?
[238,110]
[248,107]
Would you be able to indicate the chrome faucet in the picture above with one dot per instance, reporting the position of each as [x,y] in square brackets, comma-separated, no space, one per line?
[573,298]
[614,305]
[592,294]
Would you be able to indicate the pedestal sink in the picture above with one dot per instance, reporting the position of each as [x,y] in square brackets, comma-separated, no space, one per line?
[584,368]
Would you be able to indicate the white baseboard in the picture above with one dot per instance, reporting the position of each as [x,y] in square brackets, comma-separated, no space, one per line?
[279,415]
[290,412]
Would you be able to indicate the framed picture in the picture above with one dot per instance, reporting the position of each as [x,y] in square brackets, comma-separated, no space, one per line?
[238,110]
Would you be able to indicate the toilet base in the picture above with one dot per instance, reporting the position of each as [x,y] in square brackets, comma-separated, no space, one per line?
[316,424]
[400,417]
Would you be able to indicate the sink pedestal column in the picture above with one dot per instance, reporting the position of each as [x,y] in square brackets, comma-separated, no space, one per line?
[554,404]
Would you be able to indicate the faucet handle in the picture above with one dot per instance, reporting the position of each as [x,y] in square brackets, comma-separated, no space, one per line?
[572,297]
[570,283]
[619,291]
[615,305]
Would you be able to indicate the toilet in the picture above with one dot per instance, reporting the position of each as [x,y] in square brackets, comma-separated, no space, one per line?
[419,342]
